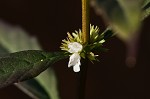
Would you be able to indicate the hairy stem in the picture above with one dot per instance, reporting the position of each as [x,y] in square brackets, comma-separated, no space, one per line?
[85,21]
[86,38]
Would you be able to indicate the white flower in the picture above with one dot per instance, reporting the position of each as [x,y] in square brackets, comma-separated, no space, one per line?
[74,47]
[74,59]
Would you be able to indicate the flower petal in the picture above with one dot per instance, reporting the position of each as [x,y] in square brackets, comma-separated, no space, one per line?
[74,47]
[74,59]
[76,68]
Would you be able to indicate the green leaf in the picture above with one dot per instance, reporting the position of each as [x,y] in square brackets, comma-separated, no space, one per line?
[43,86]
[124,16]
[24,65]
[34,89]
[45,83]
[13,39]
[49,82]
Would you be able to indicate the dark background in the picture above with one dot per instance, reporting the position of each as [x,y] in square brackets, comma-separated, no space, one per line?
[49,20]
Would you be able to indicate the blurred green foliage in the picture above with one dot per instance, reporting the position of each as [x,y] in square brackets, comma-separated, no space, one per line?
[13,39]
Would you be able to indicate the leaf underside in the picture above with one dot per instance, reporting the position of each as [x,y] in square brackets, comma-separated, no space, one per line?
[124,16]
[34,89]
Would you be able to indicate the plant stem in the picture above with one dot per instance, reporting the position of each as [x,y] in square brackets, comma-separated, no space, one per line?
[85,21]
[85,38]
[83,77]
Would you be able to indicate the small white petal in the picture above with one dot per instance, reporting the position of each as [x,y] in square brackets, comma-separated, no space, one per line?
[76,68]
[74,59]
[74,47]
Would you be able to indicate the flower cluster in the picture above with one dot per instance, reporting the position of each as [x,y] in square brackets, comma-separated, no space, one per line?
[74,45]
